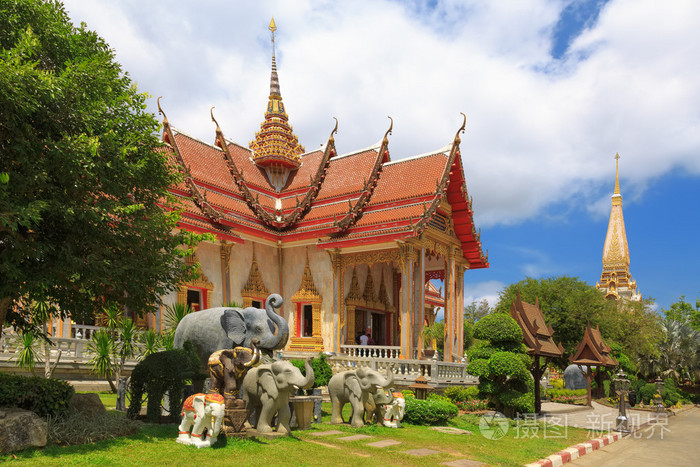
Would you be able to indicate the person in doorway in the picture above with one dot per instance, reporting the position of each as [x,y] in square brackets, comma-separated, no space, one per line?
[370,341]
[364,340]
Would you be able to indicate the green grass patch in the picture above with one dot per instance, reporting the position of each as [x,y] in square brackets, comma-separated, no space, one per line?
[155,445]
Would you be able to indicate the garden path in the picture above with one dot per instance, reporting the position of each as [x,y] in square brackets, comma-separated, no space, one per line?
[599,418]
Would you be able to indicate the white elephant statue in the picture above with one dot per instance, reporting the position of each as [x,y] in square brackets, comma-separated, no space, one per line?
[201,411]
[394,411]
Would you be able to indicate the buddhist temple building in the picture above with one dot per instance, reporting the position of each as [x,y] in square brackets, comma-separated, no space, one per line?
[616,281]
[348,239]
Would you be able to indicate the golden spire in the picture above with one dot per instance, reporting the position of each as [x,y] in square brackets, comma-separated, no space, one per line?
[616,280]
[275,147]
[617,174]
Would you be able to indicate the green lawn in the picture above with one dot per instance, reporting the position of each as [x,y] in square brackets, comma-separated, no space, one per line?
[155,445]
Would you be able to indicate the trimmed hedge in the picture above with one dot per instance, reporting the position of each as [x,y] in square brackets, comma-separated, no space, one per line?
[40,395]
[461,393]
[432,411]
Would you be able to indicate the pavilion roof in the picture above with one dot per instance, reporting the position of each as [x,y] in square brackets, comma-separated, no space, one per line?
[592,350]
[537,336]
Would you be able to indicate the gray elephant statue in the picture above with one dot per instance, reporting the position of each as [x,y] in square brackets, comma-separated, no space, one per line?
[226,328]
[375,407]
[266,389]
[355,386]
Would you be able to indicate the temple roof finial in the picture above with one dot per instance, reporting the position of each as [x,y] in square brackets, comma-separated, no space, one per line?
[275,146]
[617,174]
[274,80]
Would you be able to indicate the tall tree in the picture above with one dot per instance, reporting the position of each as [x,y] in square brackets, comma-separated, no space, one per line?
[684,313]
[83,179]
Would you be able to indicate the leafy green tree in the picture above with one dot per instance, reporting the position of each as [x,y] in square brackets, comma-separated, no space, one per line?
[684,313]
[83,176]
[502,365]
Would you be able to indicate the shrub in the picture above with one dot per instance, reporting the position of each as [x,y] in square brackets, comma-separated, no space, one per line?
[322,370]
[461,393]
[670,394]
[473,405]
[566,392]
[646,393]
[558,383]
[45,397]
[502,365]
[406,393]
[160,372]
[432,411]
[499,329]
[83,428]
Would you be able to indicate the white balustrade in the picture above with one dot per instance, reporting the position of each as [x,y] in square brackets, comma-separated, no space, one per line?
[373,351]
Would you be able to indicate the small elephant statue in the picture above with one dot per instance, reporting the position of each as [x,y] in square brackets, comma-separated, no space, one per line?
[226,328]
[227,368]
[355,387]
[376,405]
[267,388]
[199,412]
[394,411]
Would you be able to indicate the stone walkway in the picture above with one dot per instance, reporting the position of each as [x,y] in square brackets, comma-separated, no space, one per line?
[382,443]
[598,418]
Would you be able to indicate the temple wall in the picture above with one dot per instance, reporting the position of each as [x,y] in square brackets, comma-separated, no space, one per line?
[210,263]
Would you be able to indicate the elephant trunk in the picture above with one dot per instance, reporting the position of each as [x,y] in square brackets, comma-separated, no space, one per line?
[217,427]
[280,340]
[389,377]
[309,381]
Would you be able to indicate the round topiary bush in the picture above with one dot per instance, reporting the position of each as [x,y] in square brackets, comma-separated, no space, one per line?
[502,365]
[499,329]
[432,411]
[43,396]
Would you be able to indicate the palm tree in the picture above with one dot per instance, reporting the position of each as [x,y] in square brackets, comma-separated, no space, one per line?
[679,352]
[101,346]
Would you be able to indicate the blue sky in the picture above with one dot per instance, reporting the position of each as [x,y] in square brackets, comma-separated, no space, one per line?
[552,90]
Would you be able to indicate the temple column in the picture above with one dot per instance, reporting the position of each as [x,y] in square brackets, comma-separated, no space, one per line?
[450,328]
[225,253]
[407,264]
[420,300]
[338,321]
[459,310]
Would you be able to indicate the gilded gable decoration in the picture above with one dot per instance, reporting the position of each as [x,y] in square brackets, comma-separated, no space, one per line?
[254,288]
[308,294]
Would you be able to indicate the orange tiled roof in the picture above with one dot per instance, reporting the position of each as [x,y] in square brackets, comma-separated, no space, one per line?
[357,198]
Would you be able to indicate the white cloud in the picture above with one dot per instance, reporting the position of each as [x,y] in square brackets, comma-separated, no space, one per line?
[538,130]
[478,291]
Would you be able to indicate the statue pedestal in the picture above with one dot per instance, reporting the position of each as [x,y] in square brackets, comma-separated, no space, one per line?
[234,421]
[304,410]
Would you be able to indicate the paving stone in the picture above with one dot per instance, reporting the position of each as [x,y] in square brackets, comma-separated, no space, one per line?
[463,463]
[450,430]
[353,437]
[421,452]
[384,443]
[326,433]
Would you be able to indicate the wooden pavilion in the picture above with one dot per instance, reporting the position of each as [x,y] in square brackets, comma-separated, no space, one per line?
[592,351]
[537,337]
